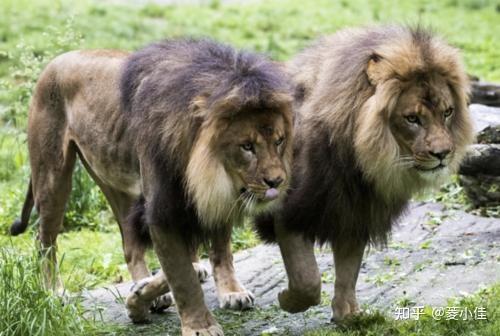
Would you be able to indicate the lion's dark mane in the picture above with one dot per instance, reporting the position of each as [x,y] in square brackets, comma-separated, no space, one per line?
[159,86]
[329,199]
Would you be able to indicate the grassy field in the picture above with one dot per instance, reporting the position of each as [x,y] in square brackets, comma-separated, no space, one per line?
[32,32]
[376,323]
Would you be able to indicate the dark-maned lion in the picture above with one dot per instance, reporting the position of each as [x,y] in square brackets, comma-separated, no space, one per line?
[201,131]
[382,114]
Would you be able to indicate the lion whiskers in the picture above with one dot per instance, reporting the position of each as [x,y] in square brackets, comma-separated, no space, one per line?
[404,161]
[250,202]
[239,200]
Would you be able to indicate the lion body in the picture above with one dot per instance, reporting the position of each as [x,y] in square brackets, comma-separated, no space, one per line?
[76,112]
[187,136]
[382,114]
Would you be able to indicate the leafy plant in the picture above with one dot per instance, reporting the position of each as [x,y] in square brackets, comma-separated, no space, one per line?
[26,307]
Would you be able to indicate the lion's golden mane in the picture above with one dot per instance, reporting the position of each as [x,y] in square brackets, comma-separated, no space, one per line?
[347,185]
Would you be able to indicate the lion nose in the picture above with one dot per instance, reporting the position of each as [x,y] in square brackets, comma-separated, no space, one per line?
[273,183]
[440,154]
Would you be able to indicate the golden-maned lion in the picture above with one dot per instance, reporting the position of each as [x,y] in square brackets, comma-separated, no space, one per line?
[382,114]
[202,131]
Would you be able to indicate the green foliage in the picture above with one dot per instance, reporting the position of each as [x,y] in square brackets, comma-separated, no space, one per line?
[243,237]
[453,196]
[26,308]
[28,64]
[377,323]
[87,206]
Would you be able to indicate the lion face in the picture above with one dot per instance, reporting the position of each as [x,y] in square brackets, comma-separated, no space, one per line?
[240,164]
[252,152]
[413,131]
[422,124]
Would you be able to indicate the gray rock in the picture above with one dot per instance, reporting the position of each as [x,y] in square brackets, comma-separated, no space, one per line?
[480,171]
[485,93]
[485,117]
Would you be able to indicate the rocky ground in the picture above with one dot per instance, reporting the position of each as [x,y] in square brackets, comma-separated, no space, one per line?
[434,254]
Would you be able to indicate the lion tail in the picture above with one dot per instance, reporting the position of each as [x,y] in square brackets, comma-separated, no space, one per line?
[20,224]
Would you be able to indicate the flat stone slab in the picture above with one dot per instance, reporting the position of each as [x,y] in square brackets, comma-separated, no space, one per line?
[434,254]
[484,116]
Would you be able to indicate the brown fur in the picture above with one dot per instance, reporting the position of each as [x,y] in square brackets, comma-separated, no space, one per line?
[169,123]
[375,127]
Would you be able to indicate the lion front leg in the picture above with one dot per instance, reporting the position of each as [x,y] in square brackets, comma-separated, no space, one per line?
[175,259]
[304,280]
[347,260]
[230,292]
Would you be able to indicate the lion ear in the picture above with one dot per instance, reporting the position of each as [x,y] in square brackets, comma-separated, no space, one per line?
[374,69]
[225,106]
[199,105]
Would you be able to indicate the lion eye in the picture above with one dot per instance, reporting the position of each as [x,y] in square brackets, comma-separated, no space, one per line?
[247,147]
[413,119]
[279,141]
[448,112]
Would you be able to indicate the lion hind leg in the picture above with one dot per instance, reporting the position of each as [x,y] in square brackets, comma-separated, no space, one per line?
[135,236]
[51,189]
[199,268]
[52,157]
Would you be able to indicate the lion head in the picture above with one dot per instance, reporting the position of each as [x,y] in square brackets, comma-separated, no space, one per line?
[240,164]
[413,130]
[213,123]
[240,161]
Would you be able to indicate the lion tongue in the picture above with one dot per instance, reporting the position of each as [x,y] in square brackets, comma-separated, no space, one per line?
[272,193]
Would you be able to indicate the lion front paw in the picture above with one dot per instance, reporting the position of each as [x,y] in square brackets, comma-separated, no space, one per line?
[237,300]
[342,309]
[137,307]
[201,271]
[214,330]
[296,301]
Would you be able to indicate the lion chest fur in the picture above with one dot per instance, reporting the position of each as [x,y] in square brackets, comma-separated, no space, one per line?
[330,198]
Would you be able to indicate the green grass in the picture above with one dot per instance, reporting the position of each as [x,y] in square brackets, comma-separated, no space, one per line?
[26,308]
[33,32]
[378,323]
